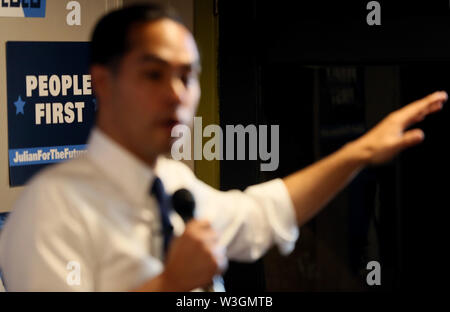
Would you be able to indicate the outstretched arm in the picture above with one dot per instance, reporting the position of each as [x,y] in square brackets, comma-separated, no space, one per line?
[313,187]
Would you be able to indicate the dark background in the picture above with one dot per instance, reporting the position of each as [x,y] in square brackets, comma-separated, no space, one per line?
[320,72]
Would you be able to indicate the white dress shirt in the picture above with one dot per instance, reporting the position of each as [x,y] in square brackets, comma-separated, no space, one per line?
[91,224]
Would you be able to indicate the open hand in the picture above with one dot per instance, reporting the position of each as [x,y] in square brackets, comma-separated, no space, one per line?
[389,137]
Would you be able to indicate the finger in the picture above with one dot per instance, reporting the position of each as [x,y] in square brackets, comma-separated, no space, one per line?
[436,106]
[203,230]
[201,224]
[204,223]
[210,236]
[411,138]
[418,110]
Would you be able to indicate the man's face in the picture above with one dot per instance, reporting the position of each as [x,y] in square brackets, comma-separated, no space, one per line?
[155,88]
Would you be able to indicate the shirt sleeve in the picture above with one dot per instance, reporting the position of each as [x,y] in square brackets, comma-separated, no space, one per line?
[249,222]
[44,245]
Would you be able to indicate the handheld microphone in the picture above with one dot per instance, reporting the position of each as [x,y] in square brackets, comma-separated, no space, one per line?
[184,204]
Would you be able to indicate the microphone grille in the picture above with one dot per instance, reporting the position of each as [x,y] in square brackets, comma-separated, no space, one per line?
[184,203]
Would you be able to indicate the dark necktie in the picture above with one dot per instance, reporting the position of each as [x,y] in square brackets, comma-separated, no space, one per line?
[164,205]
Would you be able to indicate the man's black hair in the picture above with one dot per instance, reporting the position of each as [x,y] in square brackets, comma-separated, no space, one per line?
[110,39]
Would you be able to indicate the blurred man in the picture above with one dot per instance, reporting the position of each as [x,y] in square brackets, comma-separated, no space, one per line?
[102,222]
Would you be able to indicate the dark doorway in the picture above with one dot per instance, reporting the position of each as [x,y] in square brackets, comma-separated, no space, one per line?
[321,73]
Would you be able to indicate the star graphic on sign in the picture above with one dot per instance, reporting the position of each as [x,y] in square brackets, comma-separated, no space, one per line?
[19,106]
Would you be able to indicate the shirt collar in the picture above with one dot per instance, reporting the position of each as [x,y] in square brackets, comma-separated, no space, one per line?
[121,166]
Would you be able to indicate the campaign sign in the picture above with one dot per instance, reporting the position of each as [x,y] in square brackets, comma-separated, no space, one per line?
[51,107]
[22,8]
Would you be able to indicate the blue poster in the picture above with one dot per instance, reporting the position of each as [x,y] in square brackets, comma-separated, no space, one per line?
[23,8]
[51,107]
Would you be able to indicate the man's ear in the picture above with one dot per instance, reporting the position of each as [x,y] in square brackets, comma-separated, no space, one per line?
[102,81]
